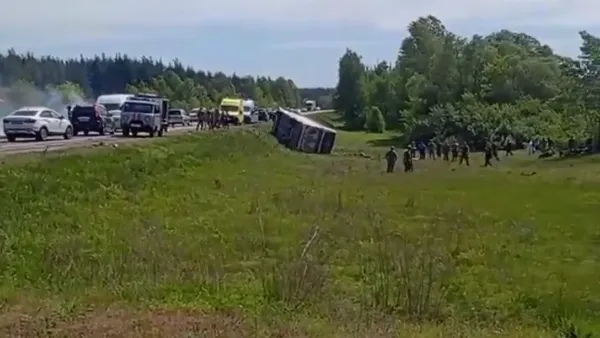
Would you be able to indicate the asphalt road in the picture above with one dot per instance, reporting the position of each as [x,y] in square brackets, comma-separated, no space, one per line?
[22,146]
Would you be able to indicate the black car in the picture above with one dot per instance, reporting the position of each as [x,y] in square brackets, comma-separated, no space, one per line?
[92,117]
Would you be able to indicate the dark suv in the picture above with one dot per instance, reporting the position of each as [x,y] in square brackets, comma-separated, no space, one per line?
[91,117]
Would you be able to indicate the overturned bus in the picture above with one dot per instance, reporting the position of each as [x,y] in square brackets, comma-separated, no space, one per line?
[301,133]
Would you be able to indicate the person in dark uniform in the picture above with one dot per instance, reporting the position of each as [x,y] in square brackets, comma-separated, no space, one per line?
[407,158]
[224,120]
[422,150]
[509,147]
[438,149]
[489,153]
[454,151]
[200,122]
[391,157]
[446,151]
[495,151]
[431,148]
[464,154]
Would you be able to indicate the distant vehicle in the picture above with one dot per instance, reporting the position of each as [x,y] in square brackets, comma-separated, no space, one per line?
[249,108]
[36,122]
[310,105]
[91,117]
[115,115]
[194,115]
[179,116]
[234,110]
[113,101]
[146,113]
[263,115]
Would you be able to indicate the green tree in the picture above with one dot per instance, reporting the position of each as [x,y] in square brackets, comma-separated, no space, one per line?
[506,83]
[351,96]
[91,77]
[375,122]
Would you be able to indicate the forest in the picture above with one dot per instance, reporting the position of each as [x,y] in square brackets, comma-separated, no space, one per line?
[480,88]
[27,79]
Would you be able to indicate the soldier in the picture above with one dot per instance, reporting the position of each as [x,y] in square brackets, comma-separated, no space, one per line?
[438,149]
[489,152]
[509,147]
[213,119]
[200,122]
[408,159]
[464,154]
[446,151]
[454,151]
[422,150]
[391,157]
[495,151]
[431,149]
[224,121]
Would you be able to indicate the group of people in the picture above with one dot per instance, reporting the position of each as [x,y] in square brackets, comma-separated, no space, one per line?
[450,152]
[212,119]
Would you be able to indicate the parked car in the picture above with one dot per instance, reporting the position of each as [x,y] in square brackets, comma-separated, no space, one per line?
[194,115]
[179,116]
[91,117]
[115,115]
[36,122]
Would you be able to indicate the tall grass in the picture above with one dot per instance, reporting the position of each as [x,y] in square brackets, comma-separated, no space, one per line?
[330,245]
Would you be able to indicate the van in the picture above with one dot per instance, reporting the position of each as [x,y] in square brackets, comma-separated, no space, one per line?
[233,110]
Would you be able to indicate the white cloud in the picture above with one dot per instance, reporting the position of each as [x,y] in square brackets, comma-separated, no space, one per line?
[70,20]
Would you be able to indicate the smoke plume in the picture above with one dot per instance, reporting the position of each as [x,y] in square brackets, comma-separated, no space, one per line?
[25,94]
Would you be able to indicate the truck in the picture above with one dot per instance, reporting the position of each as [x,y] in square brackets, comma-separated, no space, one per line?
[310,105]
[146,113]
[233,110]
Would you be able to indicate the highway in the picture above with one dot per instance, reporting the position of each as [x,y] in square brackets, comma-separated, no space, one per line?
[23,146]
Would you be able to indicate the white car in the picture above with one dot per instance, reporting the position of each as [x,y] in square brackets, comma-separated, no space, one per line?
[115,115]
[179,116]
[36,122]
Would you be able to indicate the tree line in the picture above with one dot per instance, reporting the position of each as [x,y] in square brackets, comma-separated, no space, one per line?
[480,88]
[91,77]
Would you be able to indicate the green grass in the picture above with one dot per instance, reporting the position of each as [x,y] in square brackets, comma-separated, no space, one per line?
[229,233]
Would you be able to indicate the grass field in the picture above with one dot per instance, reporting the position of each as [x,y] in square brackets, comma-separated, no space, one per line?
[229,235]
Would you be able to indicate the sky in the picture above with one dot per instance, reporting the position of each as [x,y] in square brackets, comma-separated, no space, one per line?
[298,39]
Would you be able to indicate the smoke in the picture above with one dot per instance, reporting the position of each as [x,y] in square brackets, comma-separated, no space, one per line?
[25,94]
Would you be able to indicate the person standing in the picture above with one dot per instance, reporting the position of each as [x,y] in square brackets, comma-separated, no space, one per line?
[464,154]
[391,157]
[408,159]
[489,153]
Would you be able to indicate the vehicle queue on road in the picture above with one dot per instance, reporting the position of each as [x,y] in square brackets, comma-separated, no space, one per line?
[126,114]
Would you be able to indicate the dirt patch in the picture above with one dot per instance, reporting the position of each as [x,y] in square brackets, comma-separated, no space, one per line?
[117,323]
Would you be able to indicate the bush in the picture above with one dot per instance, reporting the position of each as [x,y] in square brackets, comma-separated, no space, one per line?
[374,123]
